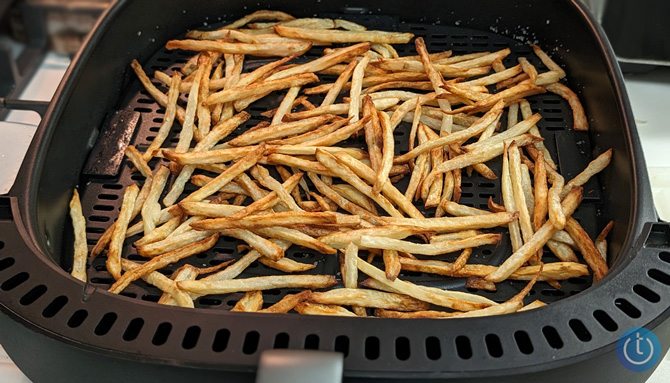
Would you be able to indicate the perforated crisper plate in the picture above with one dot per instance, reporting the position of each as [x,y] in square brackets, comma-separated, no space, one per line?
[102,198]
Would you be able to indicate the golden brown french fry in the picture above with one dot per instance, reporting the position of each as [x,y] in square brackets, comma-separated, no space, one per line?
[342,79]
[164,283]
[162,261]
[388,150]
[580,122]
[170,112]
[259,16]
[138,161]
[160,97]
[587,248]
[538,240]
[449,224]
[79,230]
[160,232]
[257,283]
[338,36]
[286,219]
[391,264]
[287,303]
[307,308]
[341,239]
[367,298]
[260,49]
[462,259]
[151,208]
[533,305]
[296,237]
[356,84]
[601,240]
[547,61]
[520,203]
[119,233]
[260,88]
[593,168]
[541,192]
[252,301]
[324,62]
[435,248]
[342,202]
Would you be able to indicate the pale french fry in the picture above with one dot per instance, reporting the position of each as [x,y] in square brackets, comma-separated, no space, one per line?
[252,301]
[349,269]
[342,79]
[538,240]
[462,259]
[562,251]
[79,230]
[601,240]
[495,77]
[541,193]
[296,237]
[260,88]
[380,104]
[268,201]
[520,204]
[391,264]
[307,308]
[547,61]
[367,298]
[435,248]
[227,286]
[265,247]
[151,208]
[556,215]
[286,219]
[172,242]
[533,305]
[259,15]
[170,112]
[352,194]
[164,283]
[162,261]
[113,263]
[160,232]
[449,224]
[325,61]
[593,168]
[341,239]
[338,36]
[339,200]
[388,149]
[138,161]
[160,97]
[458,210]
[418,292]
[287,303]
[356,84]
[508,95]
[339,135]
[260,49]
[456,235]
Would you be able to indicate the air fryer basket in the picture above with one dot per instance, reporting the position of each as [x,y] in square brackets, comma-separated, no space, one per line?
[57,328]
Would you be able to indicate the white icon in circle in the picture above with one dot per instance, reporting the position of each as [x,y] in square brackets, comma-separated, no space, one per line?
[637,350]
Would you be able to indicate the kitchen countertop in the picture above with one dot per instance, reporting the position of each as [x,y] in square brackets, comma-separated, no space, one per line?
[649,94]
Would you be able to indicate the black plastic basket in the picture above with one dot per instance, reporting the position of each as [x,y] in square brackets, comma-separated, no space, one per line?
[59,329]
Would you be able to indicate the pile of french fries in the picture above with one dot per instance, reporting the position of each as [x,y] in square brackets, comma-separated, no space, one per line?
[298,178]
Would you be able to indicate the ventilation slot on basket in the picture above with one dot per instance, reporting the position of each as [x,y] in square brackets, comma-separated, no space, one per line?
[312,342]
[664,255]
[605,320]
[133,329]
[54,307]
[433,349]
[552,337]
[191,338]
[31,296]
[221,340]
[371,348]
[659,276]
[580,330]
[402,350]
[646,293]
[342,345]
[251,342]
[105,324]
[14,281]
[6,263]
[281,340]
[523,342]
[162,333]
[493,345]
[77,318]
[627,308]
[463,347]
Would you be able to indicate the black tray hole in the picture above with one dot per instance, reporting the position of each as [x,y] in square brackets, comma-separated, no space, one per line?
[402,349]
[102,281]
[133,329]
[659,276]
[162,334]
[342,345]
[191,338]
[77,318]
[110,197]
[250,344]
[605,320]
[580,330]
[312,342]
[281,340]
[552,293]
[143,110]
[15,281]
[31,296]
[493,345]
[552,337]
[98,218]
[221,340]
[463,347]
[95,230]
[523,342]
[2,245]
[627,308]
[646,293]
[105,324]
[210,301]
[664,256]
[151,297]
[55,306]
[372,348]
[103,207]
[112,186]
[433,349]
[6,263]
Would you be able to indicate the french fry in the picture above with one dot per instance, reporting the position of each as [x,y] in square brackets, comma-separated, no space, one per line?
[587,248]
[252,301]
[450,224]
[79,230]
[324,62]
[435,248]
[162,261]
[160,232]
[307,308]
[391,264]
[601,240]
[172,242]
[387,152]
[287,303]
[259,15]
[113,263]
[164,283]
[338,36]
[367,298]
[341,239]
[260,49]
[138,161]
[227,286]
[296,237]
[285,219]
[342,79]
[580,123]
[547,61]
[260,88]
[151,208]
[593,168]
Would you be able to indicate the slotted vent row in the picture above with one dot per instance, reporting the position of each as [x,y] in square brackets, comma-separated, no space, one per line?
[432,346]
